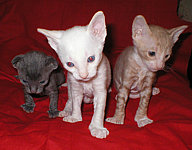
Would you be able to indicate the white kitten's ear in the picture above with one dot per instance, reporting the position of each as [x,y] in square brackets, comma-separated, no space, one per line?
[175,32]
[97,27]
[140,28]
[53,37]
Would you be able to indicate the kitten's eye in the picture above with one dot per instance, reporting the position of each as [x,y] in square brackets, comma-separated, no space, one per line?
[70,64]
[167,56]
[151,53]
[91,59]
[42,82]
[24,81]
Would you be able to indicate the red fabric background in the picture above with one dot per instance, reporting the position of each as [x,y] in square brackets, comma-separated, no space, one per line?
[171,110]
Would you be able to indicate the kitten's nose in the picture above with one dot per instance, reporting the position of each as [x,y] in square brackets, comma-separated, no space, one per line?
[83,75]
[160,66]
[33,90]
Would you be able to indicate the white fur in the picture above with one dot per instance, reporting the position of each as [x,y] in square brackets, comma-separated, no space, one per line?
[85,79]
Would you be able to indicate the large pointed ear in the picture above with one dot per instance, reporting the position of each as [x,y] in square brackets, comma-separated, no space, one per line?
[175,32]
[16,60]
[53,37]
[97,27]
[51,64]
[140,28]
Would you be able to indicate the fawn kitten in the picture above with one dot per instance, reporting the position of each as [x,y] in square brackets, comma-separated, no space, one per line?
[80,50]
[40,75]
[136,67]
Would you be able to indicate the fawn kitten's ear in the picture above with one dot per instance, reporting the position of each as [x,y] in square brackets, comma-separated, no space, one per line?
[16,60]
[175,32]
[140,28]
[53,37]
[97,27]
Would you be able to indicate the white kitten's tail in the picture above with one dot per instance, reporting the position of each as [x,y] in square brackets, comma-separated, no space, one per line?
[64,84]
[109,90]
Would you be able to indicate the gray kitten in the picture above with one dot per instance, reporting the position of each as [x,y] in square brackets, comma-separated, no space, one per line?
[41,75]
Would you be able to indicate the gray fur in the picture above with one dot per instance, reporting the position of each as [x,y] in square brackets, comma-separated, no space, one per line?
[40,74]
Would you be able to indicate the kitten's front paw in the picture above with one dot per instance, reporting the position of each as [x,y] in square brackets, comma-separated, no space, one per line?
[115,120]
[64,113]
[143,121]
[72,119]
[28,108]
[99,132]
[53,114]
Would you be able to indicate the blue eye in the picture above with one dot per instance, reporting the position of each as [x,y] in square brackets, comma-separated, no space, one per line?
[70,64]
[91,59]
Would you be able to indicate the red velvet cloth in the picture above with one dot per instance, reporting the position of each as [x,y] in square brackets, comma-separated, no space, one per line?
[171,110]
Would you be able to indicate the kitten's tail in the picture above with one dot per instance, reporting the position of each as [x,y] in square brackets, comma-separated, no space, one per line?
[64,84]
[109,90]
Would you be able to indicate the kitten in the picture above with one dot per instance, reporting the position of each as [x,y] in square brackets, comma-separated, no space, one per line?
[40,75]
[80,50]
[136,67]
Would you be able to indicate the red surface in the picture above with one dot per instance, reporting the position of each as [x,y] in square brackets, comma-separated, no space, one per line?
[171,110]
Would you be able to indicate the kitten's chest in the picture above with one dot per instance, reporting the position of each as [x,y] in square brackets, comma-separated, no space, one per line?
[87,89]
[140,79]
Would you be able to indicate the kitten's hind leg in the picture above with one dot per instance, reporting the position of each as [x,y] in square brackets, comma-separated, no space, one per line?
[135,95]
[87,100]
[64,84]
[119,115]
[29,103]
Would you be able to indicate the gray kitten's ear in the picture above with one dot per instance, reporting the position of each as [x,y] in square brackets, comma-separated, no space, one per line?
[16,60]
[175,32]
[97,27]
[51,63]
[140,28]
[53,37]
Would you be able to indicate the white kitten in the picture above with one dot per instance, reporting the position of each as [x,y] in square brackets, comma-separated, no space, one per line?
[89,75]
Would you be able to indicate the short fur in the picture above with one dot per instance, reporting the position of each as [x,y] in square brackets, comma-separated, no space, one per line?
[135,69]
[80,50]
[41,75]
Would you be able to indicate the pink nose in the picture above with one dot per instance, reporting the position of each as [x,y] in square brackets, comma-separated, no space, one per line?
[33,89]
[160,66]
[83,75]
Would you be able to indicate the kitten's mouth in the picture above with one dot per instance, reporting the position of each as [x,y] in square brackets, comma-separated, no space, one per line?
[33,92]
[86,79]
[153,70]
